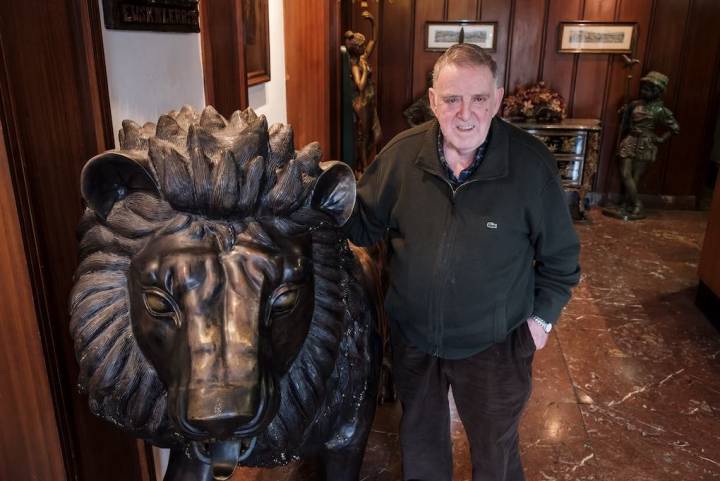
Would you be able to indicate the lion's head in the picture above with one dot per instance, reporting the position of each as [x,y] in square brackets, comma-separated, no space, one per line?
[209,287]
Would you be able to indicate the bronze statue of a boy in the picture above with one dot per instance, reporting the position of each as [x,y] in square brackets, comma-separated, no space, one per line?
[640,122]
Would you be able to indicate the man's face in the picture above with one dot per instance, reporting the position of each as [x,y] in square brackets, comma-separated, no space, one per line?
[464,100]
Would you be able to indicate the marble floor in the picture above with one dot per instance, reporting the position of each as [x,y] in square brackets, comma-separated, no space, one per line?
[628,388]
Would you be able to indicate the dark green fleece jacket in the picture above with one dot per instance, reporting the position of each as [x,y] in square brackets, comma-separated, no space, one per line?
[467,266]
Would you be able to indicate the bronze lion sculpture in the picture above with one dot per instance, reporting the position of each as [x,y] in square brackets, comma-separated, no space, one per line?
[217,308]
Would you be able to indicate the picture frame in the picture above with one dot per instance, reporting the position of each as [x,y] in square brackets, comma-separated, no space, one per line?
[149,15]
[597,37]
[257,41]
[439,36]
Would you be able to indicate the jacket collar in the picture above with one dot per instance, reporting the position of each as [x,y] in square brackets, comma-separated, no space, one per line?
[495,164]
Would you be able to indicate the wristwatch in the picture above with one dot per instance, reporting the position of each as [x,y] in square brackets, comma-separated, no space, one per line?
[547,327]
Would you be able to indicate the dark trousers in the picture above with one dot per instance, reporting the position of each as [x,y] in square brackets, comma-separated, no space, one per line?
[490,390]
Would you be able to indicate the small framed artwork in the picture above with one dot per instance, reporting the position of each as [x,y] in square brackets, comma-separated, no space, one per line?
[175,16]
[596,37]
[257,41]
[439,36]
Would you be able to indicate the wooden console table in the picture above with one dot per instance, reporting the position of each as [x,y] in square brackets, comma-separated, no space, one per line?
[575,143]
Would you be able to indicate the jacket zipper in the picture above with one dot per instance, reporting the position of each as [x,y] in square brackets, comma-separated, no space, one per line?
[447,243]
[442,273]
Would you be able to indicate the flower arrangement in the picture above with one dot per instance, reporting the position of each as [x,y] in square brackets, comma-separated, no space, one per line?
[534,102]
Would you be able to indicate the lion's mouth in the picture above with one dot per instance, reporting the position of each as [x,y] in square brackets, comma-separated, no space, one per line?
[224,456]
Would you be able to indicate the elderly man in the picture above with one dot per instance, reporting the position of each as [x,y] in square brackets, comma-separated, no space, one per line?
[482,258]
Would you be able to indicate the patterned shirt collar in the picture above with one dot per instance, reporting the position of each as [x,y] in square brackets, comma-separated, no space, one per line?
[456,181]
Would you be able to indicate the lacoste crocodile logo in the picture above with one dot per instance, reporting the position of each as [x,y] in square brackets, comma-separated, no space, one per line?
[491,225]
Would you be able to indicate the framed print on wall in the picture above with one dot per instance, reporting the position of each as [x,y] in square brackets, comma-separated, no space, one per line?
[439,36]
[597,37]
[257,41]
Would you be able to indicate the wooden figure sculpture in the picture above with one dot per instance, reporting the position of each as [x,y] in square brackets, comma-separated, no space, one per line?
[217,309]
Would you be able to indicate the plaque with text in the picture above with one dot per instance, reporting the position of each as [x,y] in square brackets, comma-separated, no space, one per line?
[155,15]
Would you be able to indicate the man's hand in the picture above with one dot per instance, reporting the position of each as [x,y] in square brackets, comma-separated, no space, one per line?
[539,336]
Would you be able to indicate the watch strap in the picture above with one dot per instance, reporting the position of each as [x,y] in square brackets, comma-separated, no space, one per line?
[547,327]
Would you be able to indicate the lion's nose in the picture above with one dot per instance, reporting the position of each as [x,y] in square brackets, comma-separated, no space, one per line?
[221,410]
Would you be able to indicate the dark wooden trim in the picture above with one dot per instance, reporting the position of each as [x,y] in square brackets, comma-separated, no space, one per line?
[573,80]
[543,41]
[335,33]
[511,26]
[679,67]
[573,76]
[651,26]
[411,66]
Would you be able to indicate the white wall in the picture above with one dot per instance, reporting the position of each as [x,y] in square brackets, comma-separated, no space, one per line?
[269,98]
[151,73]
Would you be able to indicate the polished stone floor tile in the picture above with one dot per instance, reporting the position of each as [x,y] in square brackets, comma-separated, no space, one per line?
[628,387]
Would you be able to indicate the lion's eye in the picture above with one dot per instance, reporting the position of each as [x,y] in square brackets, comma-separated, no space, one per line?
[284,300]
[159,304]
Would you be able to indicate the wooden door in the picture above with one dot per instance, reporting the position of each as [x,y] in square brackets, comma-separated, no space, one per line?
[55,115]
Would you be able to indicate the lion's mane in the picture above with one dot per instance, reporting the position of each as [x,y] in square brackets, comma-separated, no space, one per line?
[207,168]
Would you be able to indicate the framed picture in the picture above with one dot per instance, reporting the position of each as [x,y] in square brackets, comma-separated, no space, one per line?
[175,16]
[441,35]
[257,44]
[596,37]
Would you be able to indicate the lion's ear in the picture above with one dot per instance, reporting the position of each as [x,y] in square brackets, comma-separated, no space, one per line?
[334,191]
[110,176]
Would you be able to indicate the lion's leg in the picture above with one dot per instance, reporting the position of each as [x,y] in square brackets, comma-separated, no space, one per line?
[344,464]
[182,467]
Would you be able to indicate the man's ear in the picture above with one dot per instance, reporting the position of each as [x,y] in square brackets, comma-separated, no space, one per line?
[334,191]
[499,94]
[110,176]
[432,98]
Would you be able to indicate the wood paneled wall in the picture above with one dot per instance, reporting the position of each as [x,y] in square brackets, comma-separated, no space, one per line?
[55,114]
[676,37]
